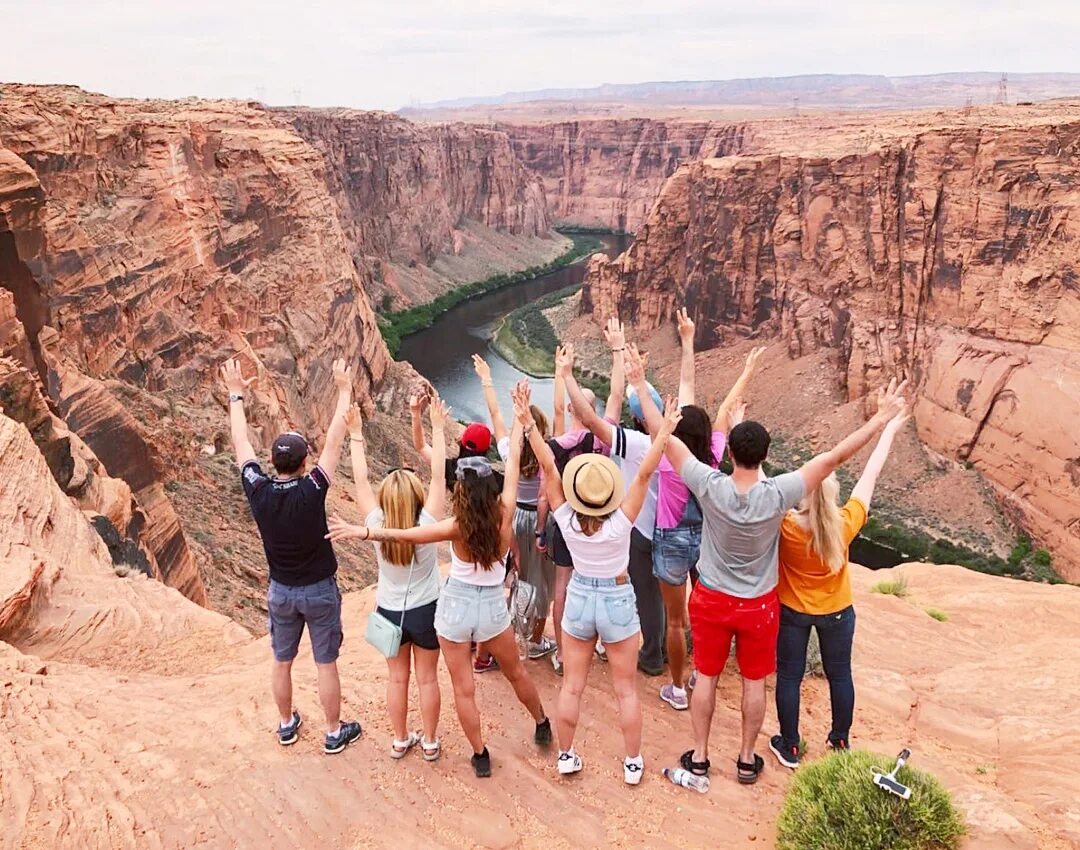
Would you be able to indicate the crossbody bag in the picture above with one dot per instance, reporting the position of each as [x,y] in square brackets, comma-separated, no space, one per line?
[384,634]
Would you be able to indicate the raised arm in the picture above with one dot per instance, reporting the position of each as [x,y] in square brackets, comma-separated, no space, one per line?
[737,391]
[635,374]
[436,497]
[601,428]
[417,401]
[615,335]
[365,496]
[483,371]
[549,472]
[817,469]
[558,391]
[335,434]
[232,375]
[864,488]
[635,496]
[686,364]
[512,470]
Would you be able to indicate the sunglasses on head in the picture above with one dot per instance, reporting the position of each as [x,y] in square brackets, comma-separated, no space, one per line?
[401,469]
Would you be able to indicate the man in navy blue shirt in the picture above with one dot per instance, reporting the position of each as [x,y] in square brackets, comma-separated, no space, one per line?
[289,508]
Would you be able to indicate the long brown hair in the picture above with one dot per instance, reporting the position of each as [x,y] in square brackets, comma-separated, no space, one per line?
[477,508]
[589,524]
[401,497]
[826,525]
[530,466]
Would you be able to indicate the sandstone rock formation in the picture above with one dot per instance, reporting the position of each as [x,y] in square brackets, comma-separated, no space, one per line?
[97,674]
[949,255]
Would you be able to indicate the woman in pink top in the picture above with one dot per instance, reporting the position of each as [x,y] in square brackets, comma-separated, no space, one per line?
[677,538]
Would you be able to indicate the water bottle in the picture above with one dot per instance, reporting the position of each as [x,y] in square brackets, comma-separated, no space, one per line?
[679,776]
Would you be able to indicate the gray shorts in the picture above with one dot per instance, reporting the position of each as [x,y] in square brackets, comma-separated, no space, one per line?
[319,606]
[468,612]
[600,607]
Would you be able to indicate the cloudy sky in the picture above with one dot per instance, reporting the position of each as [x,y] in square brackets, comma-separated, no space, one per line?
[396,52]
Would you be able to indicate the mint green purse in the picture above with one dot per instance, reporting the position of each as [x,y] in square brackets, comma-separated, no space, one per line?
[382,633]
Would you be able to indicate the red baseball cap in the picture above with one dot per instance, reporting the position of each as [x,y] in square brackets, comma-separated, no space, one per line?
[477,438]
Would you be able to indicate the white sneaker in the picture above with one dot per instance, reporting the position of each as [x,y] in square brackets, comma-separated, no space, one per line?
[569,762]
[633,770]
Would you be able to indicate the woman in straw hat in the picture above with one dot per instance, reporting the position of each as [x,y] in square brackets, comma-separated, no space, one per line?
[595,513]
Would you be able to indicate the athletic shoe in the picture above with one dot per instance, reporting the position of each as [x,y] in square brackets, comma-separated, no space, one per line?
[600,651]
[545,646]
[479,666]
[691,683]
[542,736]
[839,745]
[633,770]
[481,764]
[787,756]
[556,663]
[569,762]
[345,735]
[675,697]
[290,734]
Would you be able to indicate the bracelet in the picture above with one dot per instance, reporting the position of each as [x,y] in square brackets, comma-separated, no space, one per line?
[367,533]
[489,384]
[528,431]
[356,439]
[619,349]
[235,397]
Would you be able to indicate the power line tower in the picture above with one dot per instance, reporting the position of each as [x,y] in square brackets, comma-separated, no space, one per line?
[1003,90]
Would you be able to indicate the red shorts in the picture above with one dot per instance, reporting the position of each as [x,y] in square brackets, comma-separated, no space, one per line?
[715,618]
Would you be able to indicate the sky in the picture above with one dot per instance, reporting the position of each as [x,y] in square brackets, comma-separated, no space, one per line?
[394,53]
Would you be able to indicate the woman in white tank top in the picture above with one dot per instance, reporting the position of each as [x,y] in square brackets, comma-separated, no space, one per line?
[472,605]
[596,519]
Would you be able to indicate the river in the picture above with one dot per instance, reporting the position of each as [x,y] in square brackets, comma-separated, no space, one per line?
[443,353]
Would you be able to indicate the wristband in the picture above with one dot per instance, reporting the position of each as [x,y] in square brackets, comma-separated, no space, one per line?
[235,397]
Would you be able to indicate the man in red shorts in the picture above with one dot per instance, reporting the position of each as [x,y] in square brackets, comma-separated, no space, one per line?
[735,596]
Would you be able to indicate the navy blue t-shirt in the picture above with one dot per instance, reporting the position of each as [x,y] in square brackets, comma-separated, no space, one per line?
[291,516]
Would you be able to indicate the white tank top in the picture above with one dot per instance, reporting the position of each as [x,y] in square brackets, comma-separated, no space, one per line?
[471,573]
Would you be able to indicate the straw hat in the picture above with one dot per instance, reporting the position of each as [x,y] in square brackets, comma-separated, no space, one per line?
[593,484]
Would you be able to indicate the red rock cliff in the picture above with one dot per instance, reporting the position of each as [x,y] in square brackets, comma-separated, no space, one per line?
[952,254]
[608,173]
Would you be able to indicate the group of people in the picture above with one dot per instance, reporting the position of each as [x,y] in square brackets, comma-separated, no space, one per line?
[609,523]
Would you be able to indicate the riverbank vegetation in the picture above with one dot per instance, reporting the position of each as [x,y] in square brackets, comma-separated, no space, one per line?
[395,326]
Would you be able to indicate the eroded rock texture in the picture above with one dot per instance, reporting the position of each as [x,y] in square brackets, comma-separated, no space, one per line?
[951,255]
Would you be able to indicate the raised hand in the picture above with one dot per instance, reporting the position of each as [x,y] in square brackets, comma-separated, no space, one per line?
[900,419]
[566,365]
[522,395]
[341,530]
[354,422]
[737,414]
[615,334]
[891,399]
[635,367]
[439,412]
[232,375]
[753,357]
[686,326]
[342,376]
[672,417]
[483,371]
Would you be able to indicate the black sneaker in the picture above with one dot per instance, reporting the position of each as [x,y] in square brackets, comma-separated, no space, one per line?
[543,733]
[838,745]
[787,756]
[344,736]
[290,734]
[649,670]
[481,764]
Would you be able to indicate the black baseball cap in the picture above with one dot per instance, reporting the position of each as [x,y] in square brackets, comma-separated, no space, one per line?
[290,449]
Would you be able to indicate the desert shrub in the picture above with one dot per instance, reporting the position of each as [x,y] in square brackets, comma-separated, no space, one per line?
[938,614]
[896,587]
[832,804]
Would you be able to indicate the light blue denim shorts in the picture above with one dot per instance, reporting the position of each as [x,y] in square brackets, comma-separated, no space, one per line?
[600,607]
[675,551]
[468,612]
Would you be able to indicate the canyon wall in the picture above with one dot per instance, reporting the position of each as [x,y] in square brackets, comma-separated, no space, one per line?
[951,255]
[607,174]
[406,194]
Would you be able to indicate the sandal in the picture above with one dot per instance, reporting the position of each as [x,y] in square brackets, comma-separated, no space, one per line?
[400,749]
[748,773]
[698,768]
[432,749]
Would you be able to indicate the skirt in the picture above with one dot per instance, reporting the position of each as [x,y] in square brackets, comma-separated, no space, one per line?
[534,567]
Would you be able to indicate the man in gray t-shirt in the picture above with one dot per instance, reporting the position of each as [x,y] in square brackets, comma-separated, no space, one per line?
[736,594]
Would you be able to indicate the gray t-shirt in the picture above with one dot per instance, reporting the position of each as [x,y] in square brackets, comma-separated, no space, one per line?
[393,580]
[741,531]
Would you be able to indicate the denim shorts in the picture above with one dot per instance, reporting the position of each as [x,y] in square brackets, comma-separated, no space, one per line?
[467,612]
[675,552]
[319,606]
[598,607]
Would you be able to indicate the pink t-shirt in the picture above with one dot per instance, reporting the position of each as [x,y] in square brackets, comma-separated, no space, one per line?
[673,495]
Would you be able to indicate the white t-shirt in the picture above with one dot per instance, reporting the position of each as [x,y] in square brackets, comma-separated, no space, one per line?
[393,580]
[628,452]
[472,573]
[605,554]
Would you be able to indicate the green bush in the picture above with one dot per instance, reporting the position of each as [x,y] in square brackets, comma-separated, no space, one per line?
[938,614]
[898,587]
[833,804]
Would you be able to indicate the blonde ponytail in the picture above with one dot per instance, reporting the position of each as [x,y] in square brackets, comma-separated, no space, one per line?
[826,525]
[401,497]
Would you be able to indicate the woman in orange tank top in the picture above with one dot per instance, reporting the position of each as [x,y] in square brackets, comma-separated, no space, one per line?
[815,592]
